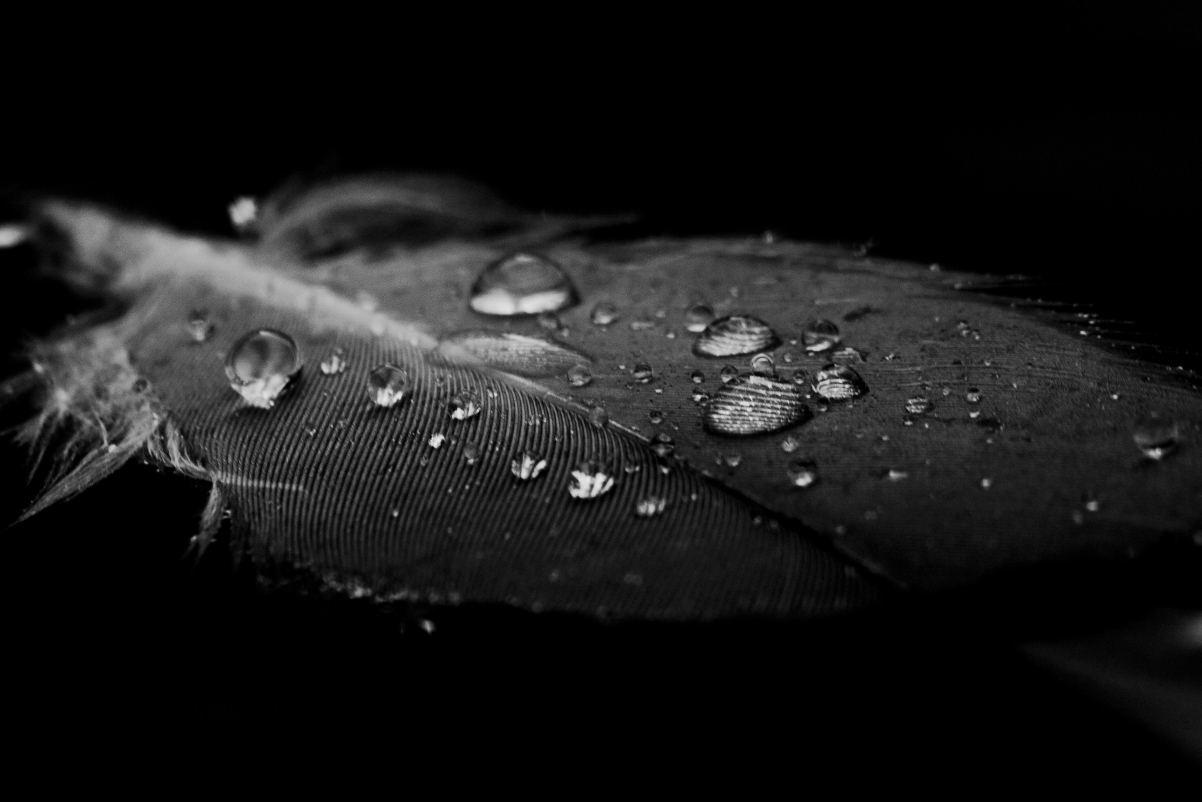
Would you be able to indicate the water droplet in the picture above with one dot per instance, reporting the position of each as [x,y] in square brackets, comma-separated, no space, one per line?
[603,314]
[839,382]
[976,413]
[918,405]
[598,417]
[729,373]
[471,453]
[649,507]
[895,475]
[579,375]
[243,212]
[642,373]
[735,335]
[819,336]
[1093,505]
[522,284]
[334,363]
[848,356]
[437,440]
[732,460]
[986,483]
[763,365]
[802,472]
[200,327]
[464,405]
[656,416]
[387,385]
[973,396]
[663,445]
[261,365]
[549,321]
[800,376]
[790,444]
[697,317]
[697,376]
[590,479]
[700,396]
[528,465]
[754,405]
[1156,437]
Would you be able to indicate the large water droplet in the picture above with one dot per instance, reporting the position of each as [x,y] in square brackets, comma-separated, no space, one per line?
[803,472]
[603,314]
[261,365]
[754,405]
[919,405]
[642,373]
[387,385]
[579,375]
[1156,437]
[528,465]
[650,506]
[200,327]
[839,382]
[819,336]
[590,479]
[697,317]
[522,284]
[464,405]
[334,363]
[763,365]
[735,335]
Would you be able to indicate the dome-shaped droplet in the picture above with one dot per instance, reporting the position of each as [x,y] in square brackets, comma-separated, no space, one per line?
[697,317]
[261,364]
[732,460]
[763,365]
[604,313]
[464,405]
[436,440]
[579,375]
[728,374]
[839,383]
[919,405]
[642,373]
[598,417]
[700,396]
[471,453]
[522,284]
[200,327]
[819,336]
[590,479]
[800,376]
[735,335]
[663,445]
[802,472]
[790,444]
[973,396]
[697,376]
[755,405]
[528,465]
[894,475]
[1156,437]
[650,506]
[655,416]
[387,385]
[333,364]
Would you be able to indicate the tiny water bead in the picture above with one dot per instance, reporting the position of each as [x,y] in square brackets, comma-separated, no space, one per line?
[735,335]
[200,327]
[387,385]
[464,405]
[802,473]
[729,373]
[598,417]
[333,364]
[656,416]
[697,317]
[603,314]
[732,460]
[261,365]
[919,405]
[522,284]
[650,506]
[663,445]
[697,376]
[642,325]
[790,444]
[763,365]
[754,405]
[800,376]
[839,383]
[819,336]
[528,465]
[590,479]
[894,475]
[437,440]
[700,396]
[1156,437]
[642,373]
[973,396]
[579,376]
[471,453]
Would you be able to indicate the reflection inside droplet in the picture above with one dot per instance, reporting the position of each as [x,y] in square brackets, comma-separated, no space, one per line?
[1156,437]
[522,284]
[387,385]
[261,365]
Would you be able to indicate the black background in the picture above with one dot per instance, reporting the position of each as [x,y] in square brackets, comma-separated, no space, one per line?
[1052,144]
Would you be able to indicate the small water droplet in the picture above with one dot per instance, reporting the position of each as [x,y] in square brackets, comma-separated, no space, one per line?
[895,475]
[1093,505]
[632,468]
[700,396]
[437,440]
[802,472]
[528,465]
[697,376]
[838,383]
[598,417]
[729,373]
[732,460]
[973,396]
[735,335]
[522,284]
[549,321]
[656,416]
[986,483]
[579,375]
[642,373]
[603,314]
[464,405]
[590,479]
[1156,437]
[243,213]
[334,363]
[471,453]
[200,327]
[387,385]
[697,317]
[649,507]
[754,405]
[800,376]
[663,445]
[919,405]
[763,365]
[819,336]
[261,365]
[790,444]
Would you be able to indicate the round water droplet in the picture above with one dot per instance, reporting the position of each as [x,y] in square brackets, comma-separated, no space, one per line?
[603,314]
[261,365]
[522,284]
[656,416]
[895,475]
[200,327]
[700,396]
[663,445]
[528,465]
[387,385]
[590,479]
[1156,437]
[754,405]
[803,473]
[919,405]
[763,365]
[973,396]
[800,376]
[729,373]
[732,460]
[838,383]
[579,375]
[333,364]
[649,507]
[819,336]
[697,376]
[987,483]
[735,335]
[790,444]
[471,453]
[464,405]
[598,417]
[697,317]
[642,373]
[436,440]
